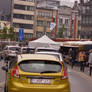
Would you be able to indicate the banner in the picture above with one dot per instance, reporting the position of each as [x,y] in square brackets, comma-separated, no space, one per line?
[21,32]
[52,25]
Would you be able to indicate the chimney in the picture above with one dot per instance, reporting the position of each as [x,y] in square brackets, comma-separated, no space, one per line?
[75,7]
[81,1]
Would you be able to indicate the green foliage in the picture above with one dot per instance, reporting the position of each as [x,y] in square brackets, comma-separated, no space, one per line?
[11,34]
[7,33]
[4,33]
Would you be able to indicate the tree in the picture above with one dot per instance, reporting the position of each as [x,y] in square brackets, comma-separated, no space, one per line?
[11,34]
[60,32]
[8,33]
[4,33]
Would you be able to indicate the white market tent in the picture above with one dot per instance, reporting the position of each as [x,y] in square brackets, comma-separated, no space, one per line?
[44,41]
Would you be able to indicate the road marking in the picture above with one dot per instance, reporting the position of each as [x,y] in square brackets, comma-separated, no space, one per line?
[83,75]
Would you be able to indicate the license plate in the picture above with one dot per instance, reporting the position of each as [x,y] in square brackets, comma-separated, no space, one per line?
[40,81]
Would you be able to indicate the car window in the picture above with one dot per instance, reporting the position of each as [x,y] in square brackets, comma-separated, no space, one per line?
[14,48]
[24,49]
[36,66]
[12,62]
[39,50]
[5,48]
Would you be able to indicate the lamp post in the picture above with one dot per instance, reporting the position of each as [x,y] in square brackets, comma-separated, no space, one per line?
[45,27]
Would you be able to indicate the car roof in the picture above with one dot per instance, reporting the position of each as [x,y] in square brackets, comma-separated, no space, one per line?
[12,46]
[48,52]
[45,48]
[37,57]
[24,47]
[28,47]
[51,53]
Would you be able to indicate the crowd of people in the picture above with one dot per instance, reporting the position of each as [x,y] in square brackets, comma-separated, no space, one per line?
[81,59]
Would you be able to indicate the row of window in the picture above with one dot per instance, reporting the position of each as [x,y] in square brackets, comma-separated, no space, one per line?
[28,0]
[42,23]
[20,25]
[67,21]
[22,16]
[25,35]
[87,9]
[44,14]
[87,20]
[39,34]
[24,7]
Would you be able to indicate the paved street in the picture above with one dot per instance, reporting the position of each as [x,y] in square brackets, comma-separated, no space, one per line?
[2,77]
[79,81]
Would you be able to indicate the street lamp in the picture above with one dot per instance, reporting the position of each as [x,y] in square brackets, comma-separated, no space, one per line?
[45,26]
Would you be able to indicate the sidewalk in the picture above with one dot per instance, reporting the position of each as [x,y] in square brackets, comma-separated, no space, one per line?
[77,68]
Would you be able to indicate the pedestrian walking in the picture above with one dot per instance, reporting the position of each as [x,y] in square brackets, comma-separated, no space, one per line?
[81,59]
[72,57]
[90,62]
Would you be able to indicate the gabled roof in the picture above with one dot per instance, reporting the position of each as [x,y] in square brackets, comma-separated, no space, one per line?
[45,39]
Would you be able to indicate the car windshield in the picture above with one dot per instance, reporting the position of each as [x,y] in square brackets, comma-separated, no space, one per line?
[24,49]
[42,66]
[14,48]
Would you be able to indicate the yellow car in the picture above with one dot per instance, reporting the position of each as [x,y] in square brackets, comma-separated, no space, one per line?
[36,73]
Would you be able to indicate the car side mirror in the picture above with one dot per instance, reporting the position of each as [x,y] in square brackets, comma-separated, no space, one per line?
[5,68]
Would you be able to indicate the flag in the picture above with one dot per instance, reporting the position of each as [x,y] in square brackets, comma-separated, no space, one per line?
[52,25]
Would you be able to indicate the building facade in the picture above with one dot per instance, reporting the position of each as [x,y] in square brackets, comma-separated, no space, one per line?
[68,19]
[48,4]
[22,16]
[64,19]
[46,13]
[31,15]
[43,20]
[86,19]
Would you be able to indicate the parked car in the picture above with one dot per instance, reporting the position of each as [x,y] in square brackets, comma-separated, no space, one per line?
[40,49]
[10,51]
[36,72]
[26,50]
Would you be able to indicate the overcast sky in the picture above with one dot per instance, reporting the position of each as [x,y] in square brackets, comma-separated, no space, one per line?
[74,0]
[70,0]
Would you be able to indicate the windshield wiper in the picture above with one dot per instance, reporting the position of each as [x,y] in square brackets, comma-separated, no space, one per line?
[48,72]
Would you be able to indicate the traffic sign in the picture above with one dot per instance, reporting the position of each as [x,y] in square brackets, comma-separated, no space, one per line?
[21,32]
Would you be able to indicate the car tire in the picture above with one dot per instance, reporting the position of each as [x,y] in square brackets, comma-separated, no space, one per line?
[5,89]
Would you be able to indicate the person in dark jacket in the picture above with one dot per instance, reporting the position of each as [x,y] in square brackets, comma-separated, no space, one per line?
[90,62]
[72,55]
